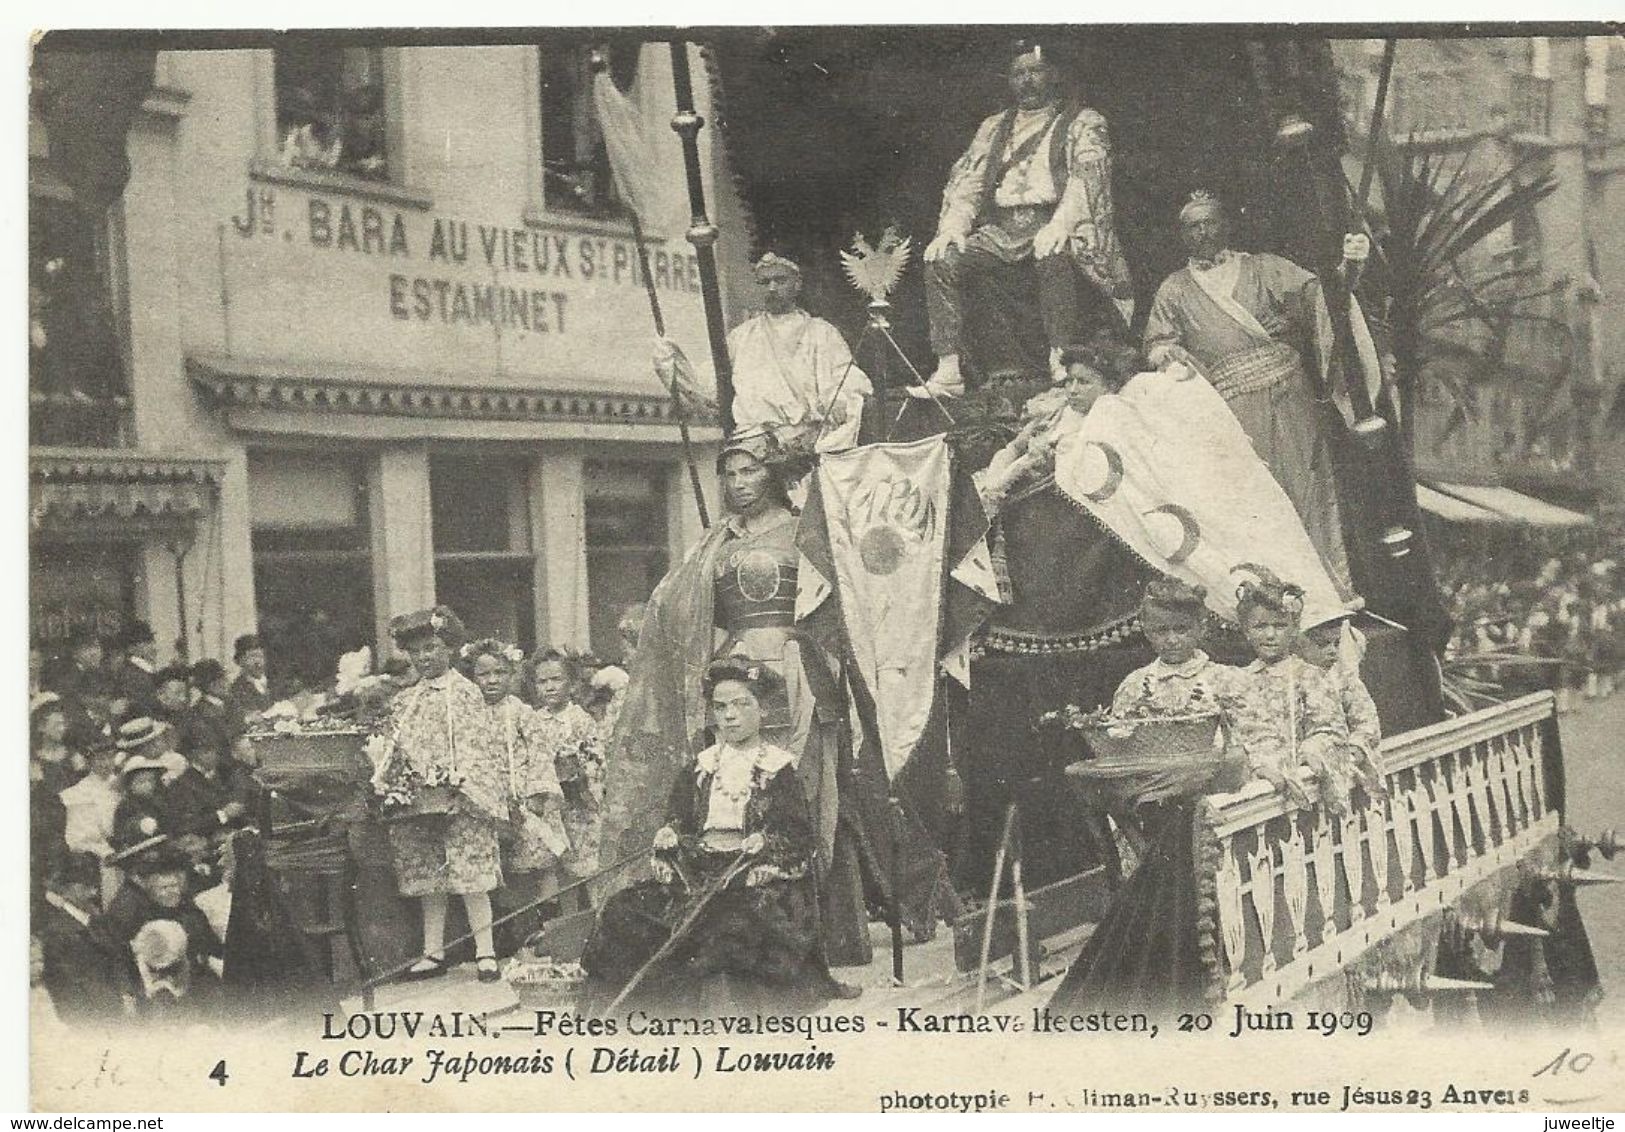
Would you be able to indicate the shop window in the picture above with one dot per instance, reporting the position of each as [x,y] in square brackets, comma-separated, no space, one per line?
[627,548]
[80,587]
[575,164]
[312,564]
[331,109]
[484,562]
[76,380]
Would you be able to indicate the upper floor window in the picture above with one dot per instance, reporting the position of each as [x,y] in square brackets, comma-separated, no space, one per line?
[576,174]
[75,360]
[331,110]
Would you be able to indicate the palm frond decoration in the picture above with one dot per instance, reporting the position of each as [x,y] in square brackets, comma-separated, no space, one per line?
[1430,272]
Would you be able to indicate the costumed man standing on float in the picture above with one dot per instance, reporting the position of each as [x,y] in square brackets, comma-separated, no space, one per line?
[734,596]
[1257,327]
[1031,196]
[793,373]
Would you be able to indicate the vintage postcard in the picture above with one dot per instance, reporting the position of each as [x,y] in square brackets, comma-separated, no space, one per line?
[898,569]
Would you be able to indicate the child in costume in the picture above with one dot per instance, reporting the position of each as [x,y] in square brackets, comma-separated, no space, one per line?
[536,843]
[441,735]
[570,736]
[1182,680]
[1287,714]
[1323,647]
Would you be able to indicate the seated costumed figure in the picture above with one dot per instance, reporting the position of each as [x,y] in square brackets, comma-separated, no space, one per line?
[731,911]
[733,596]
[1144,951]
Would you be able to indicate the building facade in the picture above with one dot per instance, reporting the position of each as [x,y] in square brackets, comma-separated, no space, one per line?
[1525,402]
[370,333]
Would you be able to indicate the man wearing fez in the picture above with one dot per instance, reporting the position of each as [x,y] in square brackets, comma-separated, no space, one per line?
[794,373]
[1256,327]
[1032,194]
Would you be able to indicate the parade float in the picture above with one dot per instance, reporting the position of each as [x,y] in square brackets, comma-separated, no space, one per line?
[1456,892]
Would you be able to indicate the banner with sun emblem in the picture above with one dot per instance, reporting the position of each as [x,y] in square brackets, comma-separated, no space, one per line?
[1167,468]
[886,512]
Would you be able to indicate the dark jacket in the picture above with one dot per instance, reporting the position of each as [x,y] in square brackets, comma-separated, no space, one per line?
[130,911]
[193,801]
[82,976]
[248,699]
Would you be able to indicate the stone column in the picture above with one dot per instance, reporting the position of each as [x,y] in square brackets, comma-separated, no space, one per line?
[402,534]
[558,518]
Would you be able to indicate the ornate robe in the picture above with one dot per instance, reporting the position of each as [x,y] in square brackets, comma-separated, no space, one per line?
[1259,330]
[537,841]
[790,370]
[732,595]
[1288,715]
[761,928]
[569,740]
[1019,160]
[1175,689]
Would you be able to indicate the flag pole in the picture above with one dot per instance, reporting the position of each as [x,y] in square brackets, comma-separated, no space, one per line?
[679,410]
[702,233]
[600,64]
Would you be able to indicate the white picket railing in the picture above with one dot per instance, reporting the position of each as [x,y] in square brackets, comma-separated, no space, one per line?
[1300,896]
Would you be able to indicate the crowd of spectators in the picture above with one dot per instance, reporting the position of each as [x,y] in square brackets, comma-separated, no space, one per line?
[1550,601]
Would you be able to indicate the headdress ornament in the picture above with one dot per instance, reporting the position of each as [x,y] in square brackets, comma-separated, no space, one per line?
[1201,201]
[774,259]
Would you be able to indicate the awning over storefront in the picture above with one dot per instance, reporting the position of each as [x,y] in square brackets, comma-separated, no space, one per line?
[1478,503]
[69,487]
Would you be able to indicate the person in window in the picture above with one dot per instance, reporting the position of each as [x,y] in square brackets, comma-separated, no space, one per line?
[364,138]
[441,769]
[730,916]
[312,139]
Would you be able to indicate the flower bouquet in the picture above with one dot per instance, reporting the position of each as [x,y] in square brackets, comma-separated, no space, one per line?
[540,980]
[1147,757]
[408,792]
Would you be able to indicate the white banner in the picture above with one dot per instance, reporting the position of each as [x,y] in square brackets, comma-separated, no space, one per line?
[886,507]
[1166,467]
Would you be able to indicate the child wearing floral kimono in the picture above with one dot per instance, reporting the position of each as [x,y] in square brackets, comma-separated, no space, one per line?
[1287,714]
[567,734]
[1324,647]
[1182,680]
[440,734]
[536,842]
